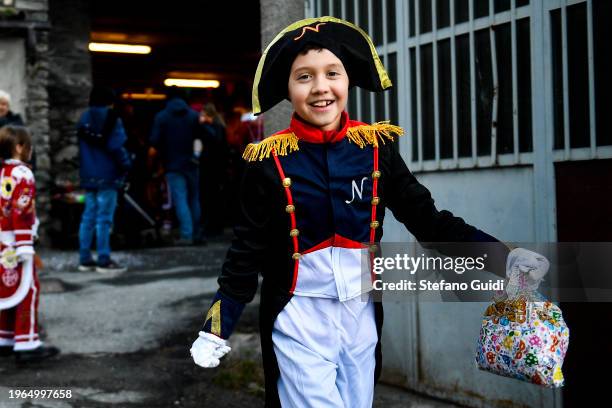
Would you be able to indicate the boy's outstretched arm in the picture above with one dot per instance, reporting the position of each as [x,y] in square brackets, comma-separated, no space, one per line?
[240,272]
[411,204]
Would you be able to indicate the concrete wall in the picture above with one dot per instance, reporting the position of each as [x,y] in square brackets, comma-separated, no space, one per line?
[492,200]
[276,15]
[13,72]
[430,346]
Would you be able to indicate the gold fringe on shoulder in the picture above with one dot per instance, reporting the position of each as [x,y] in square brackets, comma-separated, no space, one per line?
[283,144]
[287,143]
[370,134]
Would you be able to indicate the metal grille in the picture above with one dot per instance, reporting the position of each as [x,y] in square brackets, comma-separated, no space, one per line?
[462,73]
[378,18]
[580,79]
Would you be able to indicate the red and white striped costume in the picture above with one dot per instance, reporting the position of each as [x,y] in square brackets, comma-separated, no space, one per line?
[19,286]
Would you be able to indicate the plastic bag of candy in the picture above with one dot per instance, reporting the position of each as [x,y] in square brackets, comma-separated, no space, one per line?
[523,336]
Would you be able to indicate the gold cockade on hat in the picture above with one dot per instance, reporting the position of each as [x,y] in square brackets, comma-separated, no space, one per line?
[315,29]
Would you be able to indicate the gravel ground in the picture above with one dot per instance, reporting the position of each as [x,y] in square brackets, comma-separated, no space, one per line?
[125,338]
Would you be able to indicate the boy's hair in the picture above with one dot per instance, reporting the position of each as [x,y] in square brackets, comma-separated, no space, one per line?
[310,47]
[10,137]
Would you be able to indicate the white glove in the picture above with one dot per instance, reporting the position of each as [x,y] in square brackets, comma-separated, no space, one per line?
[208,349]
[197,147]
[25,257]
[35,228]
[525,269]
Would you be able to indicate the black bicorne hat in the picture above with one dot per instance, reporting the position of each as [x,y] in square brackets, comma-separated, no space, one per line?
[348,42]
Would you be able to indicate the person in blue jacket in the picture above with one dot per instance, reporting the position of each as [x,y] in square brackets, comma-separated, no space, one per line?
[174,131]
[104,163]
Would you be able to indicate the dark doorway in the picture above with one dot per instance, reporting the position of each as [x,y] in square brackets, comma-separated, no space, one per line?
[202,39]
[584,214]
[212,40]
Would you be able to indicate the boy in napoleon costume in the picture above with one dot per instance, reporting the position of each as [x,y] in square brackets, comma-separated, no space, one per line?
[311,195]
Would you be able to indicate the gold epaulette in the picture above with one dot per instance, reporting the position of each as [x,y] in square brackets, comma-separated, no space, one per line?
[287,143]
[370,134]
[283,144]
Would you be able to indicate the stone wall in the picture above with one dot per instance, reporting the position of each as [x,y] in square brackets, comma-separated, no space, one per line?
[29,19]
[276,15]
[69,86]
[37,113]
[57,83]
[69,83]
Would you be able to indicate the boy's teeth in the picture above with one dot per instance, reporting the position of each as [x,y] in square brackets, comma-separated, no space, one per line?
[321,104]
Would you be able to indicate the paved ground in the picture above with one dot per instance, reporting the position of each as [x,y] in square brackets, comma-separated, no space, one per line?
[125,337]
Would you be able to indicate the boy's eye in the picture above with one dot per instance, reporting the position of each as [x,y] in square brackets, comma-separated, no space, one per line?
[303,77]
[333,73]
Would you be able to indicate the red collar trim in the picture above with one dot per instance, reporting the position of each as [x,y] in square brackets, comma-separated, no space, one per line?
[308,133]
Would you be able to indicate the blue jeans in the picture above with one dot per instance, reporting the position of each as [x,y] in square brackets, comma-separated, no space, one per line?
[186,202]
[97,218]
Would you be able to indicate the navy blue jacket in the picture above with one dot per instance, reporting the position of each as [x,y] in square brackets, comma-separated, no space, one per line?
[173,133]
[105,166]
[331,186]
[11,119]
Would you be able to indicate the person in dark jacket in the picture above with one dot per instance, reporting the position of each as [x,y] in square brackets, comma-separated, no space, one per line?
[7,117]
[213,170]
[174,132]
[104,163]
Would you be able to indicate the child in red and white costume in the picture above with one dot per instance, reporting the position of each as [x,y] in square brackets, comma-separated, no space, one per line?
[19,285]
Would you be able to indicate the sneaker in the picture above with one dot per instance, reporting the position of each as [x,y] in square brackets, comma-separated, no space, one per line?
[110,266]
[38,354]
[88,266]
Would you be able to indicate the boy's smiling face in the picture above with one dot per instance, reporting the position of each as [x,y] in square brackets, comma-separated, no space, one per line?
[318,88]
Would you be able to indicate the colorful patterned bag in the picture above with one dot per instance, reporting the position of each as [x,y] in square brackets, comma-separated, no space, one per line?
[524,337]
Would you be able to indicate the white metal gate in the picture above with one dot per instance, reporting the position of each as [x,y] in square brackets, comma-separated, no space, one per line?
[491,93]
[467,75]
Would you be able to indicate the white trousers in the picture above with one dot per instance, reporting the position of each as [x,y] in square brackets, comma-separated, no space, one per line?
[325,352]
